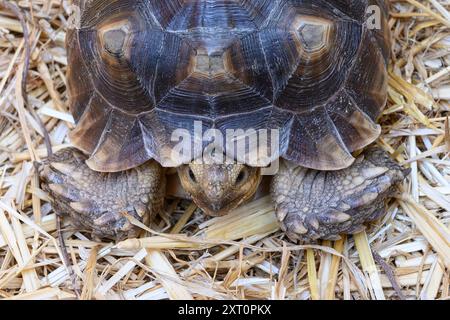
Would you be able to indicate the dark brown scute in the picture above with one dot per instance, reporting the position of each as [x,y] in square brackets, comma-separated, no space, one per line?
[142,69]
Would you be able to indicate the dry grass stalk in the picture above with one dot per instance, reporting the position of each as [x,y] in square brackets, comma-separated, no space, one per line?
[89,275]
[437,234]
[330,288]
[312,275]
[368,264]
[44,294]
[164,272]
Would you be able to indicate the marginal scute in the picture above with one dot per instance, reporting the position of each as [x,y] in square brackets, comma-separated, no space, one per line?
[312,70]
[355,127]
[123,145]
[317,144]
[91,124]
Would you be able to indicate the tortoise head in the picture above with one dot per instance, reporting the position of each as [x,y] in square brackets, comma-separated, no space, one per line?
[219,188]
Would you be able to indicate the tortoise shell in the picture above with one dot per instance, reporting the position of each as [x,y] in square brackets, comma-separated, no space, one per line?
[140,69]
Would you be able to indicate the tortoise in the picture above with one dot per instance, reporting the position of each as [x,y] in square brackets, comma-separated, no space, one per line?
[138,71]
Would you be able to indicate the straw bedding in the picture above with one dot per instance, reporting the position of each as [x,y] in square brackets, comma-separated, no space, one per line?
[405,255]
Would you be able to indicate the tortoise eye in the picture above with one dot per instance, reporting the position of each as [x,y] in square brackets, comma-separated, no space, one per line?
[242,176]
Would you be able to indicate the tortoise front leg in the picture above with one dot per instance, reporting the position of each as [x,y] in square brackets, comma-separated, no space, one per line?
[313,204]
[98,202]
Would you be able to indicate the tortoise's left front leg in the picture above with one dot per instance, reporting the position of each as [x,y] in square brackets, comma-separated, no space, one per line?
[313,204]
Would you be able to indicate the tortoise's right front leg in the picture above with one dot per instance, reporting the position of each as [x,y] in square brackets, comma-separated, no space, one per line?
[98,202]
[315,204]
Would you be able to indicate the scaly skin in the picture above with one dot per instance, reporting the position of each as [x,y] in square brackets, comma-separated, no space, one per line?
[97,201]
[310,204]
[313,204]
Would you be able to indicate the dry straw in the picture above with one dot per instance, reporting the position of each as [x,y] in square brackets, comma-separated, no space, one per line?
[243,255]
